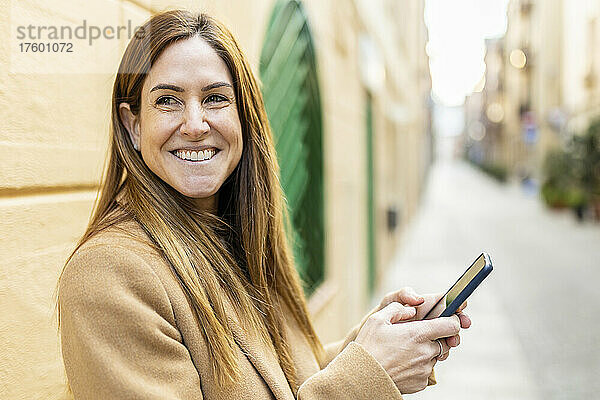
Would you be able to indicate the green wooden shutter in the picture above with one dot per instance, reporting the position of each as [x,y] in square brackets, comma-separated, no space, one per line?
[292,99]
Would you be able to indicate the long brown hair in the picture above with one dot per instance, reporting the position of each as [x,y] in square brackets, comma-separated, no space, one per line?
[243,249]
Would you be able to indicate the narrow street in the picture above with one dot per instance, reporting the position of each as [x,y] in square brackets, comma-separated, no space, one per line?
[536,318]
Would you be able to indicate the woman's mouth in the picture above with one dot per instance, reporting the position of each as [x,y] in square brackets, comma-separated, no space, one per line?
[196,155]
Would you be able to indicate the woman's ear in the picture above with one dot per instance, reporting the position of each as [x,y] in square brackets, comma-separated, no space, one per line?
[132,124]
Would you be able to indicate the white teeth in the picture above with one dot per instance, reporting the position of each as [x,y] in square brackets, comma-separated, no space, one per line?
[195,156]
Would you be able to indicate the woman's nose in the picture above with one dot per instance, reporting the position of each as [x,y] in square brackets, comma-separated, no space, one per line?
[194,121]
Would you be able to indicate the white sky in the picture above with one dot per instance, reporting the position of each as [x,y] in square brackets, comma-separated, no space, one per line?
[457,29]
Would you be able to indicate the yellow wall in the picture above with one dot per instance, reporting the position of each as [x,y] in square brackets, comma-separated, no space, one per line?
[52,148]
[55,112]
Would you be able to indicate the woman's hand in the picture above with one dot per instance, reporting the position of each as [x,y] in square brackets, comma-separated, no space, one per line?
[423,303]
[409,350]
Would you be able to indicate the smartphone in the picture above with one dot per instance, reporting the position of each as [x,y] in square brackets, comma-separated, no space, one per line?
[462,289]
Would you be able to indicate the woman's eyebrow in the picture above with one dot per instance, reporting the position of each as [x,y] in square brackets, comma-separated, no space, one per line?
[167,86]
[216,85]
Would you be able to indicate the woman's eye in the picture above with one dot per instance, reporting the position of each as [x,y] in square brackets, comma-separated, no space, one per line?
[215,99]
[167,101]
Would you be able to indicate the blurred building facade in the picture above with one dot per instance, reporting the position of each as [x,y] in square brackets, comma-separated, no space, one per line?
[532,91]
[374,90]
[541,84]
[580,65]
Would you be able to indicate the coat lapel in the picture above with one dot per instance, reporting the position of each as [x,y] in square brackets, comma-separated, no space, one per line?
[262,356]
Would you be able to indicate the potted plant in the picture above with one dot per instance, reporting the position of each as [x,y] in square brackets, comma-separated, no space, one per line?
[559,188]
[586,153]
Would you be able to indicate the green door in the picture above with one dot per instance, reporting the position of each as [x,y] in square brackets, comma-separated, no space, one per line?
[292,99]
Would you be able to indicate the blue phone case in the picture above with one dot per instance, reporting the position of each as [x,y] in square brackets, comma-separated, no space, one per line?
[468,290]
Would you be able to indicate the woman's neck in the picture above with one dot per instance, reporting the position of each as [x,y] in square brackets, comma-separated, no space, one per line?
[208,204]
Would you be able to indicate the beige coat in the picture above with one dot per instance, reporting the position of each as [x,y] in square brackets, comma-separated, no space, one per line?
[128,332]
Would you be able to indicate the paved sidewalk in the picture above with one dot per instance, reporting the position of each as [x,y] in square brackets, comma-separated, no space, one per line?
[441,241]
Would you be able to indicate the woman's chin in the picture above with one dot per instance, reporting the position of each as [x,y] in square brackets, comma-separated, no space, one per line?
[203,199]
[197,190]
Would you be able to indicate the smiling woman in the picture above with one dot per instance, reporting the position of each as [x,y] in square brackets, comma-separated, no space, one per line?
[183,88]
[183,285]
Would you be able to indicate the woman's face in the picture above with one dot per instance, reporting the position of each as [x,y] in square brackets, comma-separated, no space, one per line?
[188,129]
